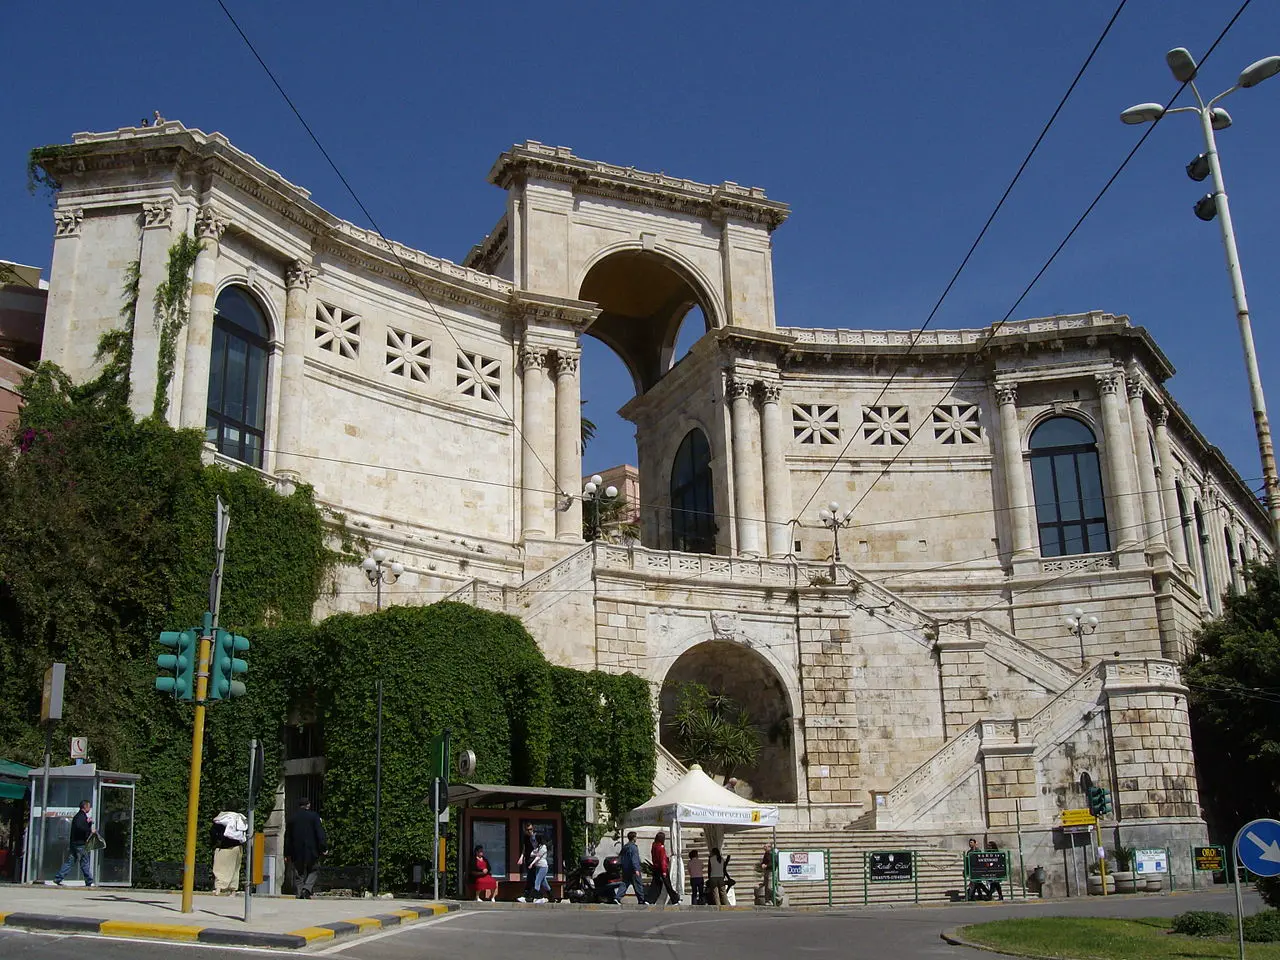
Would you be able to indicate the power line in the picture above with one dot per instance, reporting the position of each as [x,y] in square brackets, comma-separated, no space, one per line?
[981,234]
[390,247]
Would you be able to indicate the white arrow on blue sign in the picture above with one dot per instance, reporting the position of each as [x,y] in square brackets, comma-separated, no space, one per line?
[1258,847]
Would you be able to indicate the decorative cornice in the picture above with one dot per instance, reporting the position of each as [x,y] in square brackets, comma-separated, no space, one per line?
[533,357]
[716,202]
[299,274]
[210,224]
[566,364]
[67,221]
[1108,383]
[157,213]
[1007,393]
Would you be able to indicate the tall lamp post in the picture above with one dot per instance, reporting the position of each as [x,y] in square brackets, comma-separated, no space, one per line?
[379,571]
[835,521]
[1081,626]
[594,494]
[1214,118]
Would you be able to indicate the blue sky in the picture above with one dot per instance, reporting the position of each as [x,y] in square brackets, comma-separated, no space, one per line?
[891,129]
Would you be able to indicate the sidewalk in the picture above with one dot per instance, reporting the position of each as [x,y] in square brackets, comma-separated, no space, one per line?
[277,921]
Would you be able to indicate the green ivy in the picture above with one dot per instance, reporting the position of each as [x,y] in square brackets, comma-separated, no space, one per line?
[172,301]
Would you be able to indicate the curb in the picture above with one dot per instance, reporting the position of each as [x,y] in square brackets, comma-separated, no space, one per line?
[953,937]
[190,933]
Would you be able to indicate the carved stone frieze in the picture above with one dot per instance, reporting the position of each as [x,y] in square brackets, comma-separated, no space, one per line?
[157,213]
[67,222]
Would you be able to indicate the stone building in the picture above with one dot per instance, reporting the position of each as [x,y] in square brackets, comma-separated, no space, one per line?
[989,482]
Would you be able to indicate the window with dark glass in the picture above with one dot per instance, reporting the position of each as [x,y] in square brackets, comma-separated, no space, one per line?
[693,527]
[1067,480]
[1210,581]
[238,377]
[1188,541]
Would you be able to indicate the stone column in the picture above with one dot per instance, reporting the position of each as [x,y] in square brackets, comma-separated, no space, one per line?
[1168,492]
[1139,431]
[568,441]
[153,255]
[1116,439]
[746,459]
[776,477]
[64,276]
[1015,477]
[535,478]
[292,415]
[204,278]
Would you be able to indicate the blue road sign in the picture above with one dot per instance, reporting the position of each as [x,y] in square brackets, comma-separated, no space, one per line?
[1258,847]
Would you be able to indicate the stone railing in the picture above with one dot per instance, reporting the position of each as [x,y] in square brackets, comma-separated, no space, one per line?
[438,265]
[935,338]
[668,771]
[909,796]
[547,588]
[707,566]
[1065,708]
[1023,657]
[1087,563]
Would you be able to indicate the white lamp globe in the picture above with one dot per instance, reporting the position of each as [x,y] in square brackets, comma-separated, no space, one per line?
[379,555]
[610,492]
[370,564]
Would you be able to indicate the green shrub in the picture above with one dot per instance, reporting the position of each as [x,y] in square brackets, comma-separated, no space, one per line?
[1263,927]
[1269,890]
[1203,923]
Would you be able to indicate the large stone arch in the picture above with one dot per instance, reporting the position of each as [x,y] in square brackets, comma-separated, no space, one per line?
[644,295]
[736,670]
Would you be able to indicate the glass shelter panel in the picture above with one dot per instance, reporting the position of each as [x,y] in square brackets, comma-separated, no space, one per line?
[114,865]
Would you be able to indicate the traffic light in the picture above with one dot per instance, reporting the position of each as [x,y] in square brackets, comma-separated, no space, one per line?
[224,665]
[186,644]
[1099,801]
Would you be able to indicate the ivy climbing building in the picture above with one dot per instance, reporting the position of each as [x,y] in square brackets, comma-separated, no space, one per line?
[921,684]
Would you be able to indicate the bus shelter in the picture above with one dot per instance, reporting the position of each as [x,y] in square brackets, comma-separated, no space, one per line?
[49,829]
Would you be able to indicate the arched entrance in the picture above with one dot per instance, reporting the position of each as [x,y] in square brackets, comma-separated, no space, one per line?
[738,672]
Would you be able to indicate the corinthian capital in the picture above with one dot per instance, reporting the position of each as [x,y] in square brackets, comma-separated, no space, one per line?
[1161,416]
[66,222]
[1109,383]
[533,357]
[770,391]
[1006,393]
[739,387]
[157,213]
[210,224]
[567,364]
[1135,386]
[299,274]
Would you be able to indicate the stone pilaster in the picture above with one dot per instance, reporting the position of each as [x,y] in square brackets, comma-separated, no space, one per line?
[1141,438]
[1117,443]
[830,713]
[1015,477]
[962,668]
[746,465]
[1009,775]
[291,434]
[1151,736]
[777,492]
[210,225]
[60,309]
[1168,492]
[568,444]
[535,476]
[153,255]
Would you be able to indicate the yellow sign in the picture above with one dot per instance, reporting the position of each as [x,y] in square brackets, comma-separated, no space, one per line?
[755,816]
[1078,818]
[1209,858]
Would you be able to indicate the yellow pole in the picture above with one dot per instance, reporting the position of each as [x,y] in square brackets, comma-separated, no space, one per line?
[1102,859]
[193,787]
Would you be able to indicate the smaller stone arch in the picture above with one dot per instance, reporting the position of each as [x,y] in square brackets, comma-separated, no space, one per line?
[266,302]
[737,671]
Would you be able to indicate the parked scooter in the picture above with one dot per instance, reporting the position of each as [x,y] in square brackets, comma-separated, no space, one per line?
[583,885]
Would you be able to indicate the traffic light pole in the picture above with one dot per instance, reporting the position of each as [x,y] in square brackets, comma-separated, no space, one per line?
[1102,858]
[197,753]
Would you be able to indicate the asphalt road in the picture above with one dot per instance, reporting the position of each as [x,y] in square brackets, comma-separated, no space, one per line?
[636,933]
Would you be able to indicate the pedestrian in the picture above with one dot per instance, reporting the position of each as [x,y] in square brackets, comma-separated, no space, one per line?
[994,886]
[528,842]
[486,886]
[661,871]
[974,889]
[631,867]
[82,830]
[697,882]
[715,879]
[536,865]
[304,844]
[227,836]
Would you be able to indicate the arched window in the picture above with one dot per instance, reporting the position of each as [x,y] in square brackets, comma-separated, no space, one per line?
[1068,488]
[1233,568]
[693,525]
[1202,537]
[238,377]
[1188,542]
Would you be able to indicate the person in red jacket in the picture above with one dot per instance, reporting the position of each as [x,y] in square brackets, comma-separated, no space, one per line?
[661,871]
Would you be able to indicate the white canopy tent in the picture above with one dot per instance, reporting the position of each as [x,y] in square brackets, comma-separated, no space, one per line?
[697,800]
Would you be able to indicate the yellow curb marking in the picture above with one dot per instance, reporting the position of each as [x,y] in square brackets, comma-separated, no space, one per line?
[405,914]
[366,923]
[156,931]
[2,916]
[311,934]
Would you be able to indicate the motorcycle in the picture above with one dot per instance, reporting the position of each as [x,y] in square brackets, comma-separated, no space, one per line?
[583,885]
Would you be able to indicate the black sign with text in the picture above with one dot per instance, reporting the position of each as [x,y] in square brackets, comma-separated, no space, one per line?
[888,866]
[986,865]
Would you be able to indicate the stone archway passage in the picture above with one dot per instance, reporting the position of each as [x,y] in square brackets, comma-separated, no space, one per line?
[737,671]
[643,299]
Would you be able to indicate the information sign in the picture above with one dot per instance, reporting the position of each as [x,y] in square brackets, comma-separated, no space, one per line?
[803,865]
[1076,818]
[1081,828]
[1258,847]
[1210,858]
[79,748]
[1151,861]
[986,865]
[890,866]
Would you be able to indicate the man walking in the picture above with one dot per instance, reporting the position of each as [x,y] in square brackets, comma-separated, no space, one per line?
[304,844]
[630,864]
[227,836]
[82,829]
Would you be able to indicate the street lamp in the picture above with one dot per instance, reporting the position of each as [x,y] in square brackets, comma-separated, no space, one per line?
[1081,626]
[835,521]
[595,494]
[379,571]
[1212,119]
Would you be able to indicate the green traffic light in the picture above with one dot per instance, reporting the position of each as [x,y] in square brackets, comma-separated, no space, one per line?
[182,664]
[224,665]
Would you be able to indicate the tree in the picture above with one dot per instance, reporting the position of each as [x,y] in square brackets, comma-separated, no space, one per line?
[614,524]
[713,730]
[1234,701]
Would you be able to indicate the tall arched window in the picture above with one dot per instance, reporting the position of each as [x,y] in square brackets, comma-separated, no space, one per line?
[1202,538]
[1188,542]
[1068,488]
[693,525]
[1233,568]
[238,377]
